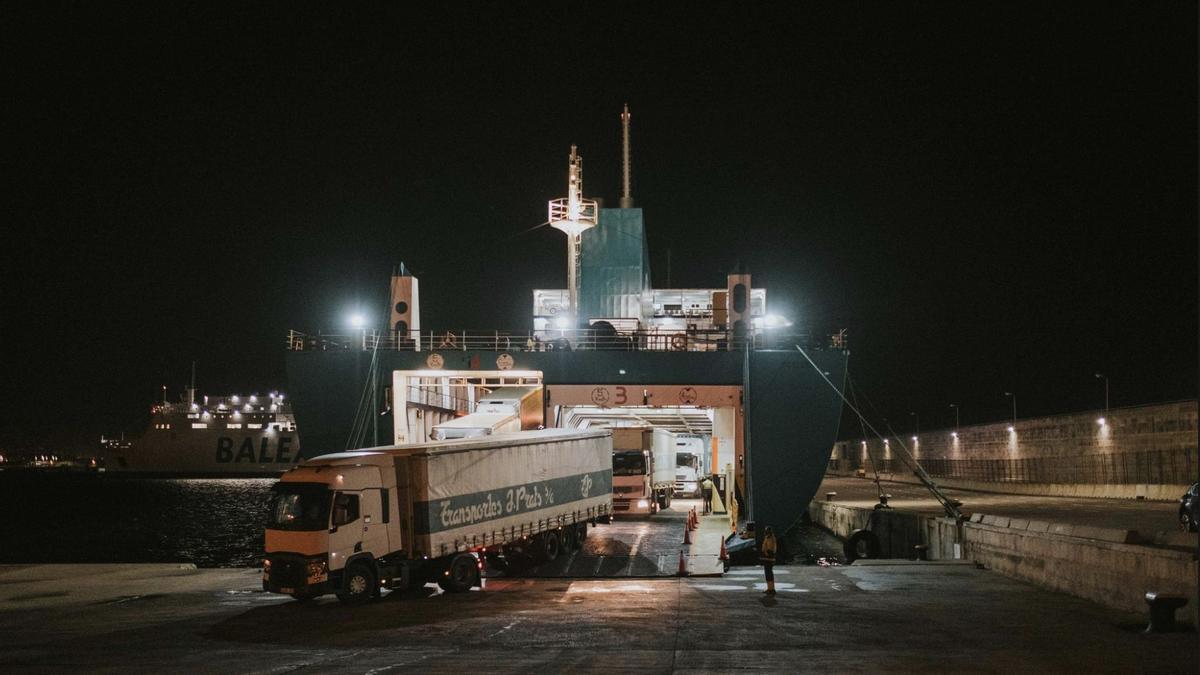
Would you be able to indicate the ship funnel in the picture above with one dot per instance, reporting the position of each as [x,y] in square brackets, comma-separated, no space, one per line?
[406,309]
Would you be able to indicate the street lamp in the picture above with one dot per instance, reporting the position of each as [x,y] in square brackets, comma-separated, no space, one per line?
[1014,399]
[918,416]
[955,406]
[1104,377]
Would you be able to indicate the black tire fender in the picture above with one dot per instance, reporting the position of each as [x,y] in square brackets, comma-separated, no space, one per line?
[861,544]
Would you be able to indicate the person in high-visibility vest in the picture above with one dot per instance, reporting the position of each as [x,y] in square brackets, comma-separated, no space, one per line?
[766,554]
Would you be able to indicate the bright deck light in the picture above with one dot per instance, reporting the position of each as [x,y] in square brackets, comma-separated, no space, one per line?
[358,321]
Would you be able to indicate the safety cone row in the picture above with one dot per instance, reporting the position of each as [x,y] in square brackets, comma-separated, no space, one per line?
[683,572]
[687,536]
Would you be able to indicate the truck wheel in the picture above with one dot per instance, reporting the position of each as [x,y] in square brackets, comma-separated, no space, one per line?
[549,545]
[861,544]
[462,574]
[566,539]
[580,534]
[1185,522]
[664,501]
[358,584]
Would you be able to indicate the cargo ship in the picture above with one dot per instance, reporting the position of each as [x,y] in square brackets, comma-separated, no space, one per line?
[210,436]
[609,350]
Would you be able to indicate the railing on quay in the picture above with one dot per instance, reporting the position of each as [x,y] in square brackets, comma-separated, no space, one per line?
[653,340]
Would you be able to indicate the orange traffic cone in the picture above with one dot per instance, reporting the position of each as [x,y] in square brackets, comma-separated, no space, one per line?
[682,565]
[687,536]
[724,554]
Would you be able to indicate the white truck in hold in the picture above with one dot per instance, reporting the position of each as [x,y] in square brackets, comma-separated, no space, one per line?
[504,409]
[643,470]
[401,516]
[689,464]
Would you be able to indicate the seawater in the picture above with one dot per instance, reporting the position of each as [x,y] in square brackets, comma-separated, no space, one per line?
[73,518]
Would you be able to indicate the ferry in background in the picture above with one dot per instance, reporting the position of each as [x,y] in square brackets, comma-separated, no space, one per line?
[215,436]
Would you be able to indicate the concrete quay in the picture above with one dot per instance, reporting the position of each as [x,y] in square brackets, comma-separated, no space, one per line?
[860,618]
[1105,551]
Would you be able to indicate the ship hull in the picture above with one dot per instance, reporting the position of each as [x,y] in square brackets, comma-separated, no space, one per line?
[206,454]
[791,410]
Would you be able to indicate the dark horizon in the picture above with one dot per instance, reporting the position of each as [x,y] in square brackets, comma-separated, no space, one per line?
[989,199]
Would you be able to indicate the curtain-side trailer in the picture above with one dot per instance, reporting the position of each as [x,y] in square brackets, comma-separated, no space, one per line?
[398,516]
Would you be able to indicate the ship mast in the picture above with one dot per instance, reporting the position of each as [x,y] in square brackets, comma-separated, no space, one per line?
[573,215]
[626,192]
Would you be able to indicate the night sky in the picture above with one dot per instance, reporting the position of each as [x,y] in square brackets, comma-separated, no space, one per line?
[988,196]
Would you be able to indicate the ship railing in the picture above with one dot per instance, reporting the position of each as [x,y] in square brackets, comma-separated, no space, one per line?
[443,395]
[646,340]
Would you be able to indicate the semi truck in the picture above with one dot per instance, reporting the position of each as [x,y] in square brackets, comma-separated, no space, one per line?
[504,409]
[395,517]
[643,470]
[689,464]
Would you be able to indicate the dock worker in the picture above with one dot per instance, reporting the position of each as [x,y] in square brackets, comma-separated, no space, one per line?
[766,554]
[706,489]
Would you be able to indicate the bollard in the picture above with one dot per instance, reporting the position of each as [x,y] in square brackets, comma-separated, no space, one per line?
[829,496]
[1162,611]
[922,551]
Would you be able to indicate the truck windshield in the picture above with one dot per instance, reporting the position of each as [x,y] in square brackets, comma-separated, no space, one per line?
[299,506]
[629,464]
[685,459]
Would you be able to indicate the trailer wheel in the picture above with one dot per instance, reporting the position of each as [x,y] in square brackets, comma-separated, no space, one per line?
[580,534]
[549,545]
[861,544]
[566,539]
[358,584]
[461,575]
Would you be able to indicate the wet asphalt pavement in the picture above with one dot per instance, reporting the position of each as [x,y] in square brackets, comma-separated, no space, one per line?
[874,618]
[629,546]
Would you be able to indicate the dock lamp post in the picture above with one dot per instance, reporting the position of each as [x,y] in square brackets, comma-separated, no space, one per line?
[918,416]
[955,406]
[1013,395]
[1102,376]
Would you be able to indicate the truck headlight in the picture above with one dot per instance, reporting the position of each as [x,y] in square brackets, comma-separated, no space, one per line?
[642,503]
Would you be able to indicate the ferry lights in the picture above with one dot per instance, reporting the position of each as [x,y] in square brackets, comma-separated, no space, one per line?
[771,321]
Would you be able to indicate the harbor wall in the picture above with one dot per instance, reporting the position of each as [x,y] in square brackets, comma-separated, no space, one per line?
[1141,452]
[1097,564]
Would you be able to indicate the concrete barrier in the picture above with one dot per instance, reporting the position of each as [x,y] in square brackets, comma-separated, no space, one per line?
[1104,565]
